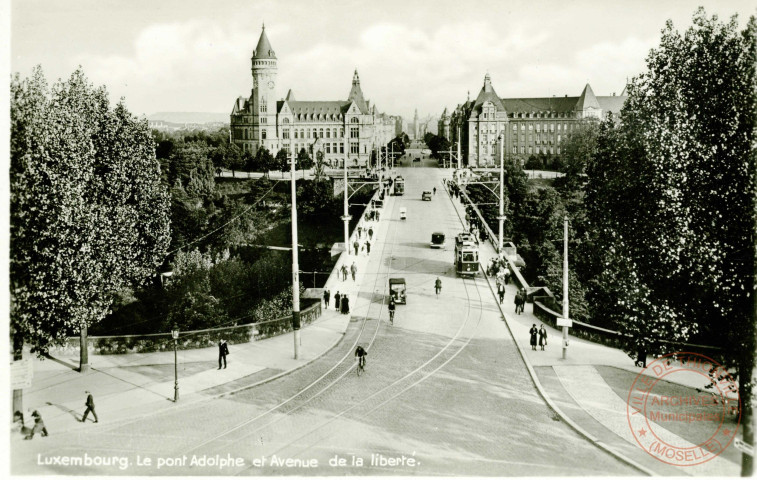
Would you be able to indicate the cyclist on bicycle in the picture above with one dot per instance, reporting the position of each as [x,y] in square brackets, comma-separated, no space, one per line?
[361,353]
[392,306]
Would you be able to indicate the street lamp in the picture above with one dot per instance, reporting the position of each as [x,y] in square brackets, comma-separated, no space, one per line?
[295,269]
[501,216]
[175,335]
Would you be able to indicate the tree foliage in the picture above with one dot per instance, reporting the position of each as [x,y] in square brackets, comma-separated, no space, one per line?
[671,192]
[89,214]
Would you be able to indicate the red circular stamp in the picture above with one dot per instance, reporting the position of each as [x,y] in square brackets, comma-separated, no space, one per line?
[677,422]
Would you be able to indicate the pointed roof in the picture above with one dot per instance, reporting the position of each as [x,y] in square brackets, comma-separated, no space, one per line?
[356,94]
[264,49]
[587,99]
[290,95]
[487,93]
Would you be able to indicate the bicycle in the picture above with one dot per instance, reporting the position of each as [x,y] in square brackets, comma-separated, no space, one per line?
[360,365]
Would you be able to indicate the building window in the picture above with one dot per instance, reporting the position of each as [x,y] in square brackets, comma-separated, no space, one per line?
[285,133]
[341,147]
[328,133]
[354,132]
[515,149]
[522,127]
[263,119]
[307,133]
[320,133]
[530,138]
[530,127]
[263,105]
[522,149]
[263,134]
[286,121]
[354,147]
[530,150]
[341,133]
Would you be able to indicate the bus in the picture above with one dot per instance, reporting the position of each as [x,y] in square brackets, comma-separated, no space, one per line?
[466,254]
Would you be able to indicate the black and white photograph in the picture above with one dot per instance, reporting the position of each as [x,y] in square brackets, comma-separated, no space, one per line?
[351,238]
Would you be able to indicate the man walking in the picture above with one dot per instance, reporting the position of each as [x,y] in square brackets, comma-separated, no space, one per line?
[370,233]
[344,274]
[434,190]
[501,292]
[90,403]
[357,247]
[326,298]
[223,350]
[337,300]
[367,247]
[360,232]
[353,269]
[438,286]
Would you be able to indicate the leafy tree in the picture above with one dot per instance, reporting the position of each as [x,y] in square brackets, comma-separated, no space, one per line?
[191,167]
[304,162]
[282,161]
[265,161]
[227,155]
[89,215]
[577,149]
[682,258]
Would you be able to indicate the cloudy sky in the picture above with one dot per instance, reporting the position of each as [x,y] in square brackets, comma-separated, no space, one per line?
[194,55]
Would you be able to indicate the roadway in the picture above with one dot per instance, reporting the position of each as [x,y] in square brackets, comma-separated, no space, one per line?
[445,391]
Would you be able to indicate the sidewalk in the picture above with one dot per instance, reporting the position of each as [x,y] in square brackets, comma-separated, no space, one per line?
[129,386]
[576,386]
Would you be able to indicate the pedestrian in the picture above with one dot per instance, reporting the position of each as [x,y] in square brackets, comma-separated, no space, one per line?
[326,297]
[467,219]
[223,350]
[344,272]
[438,286]
[534,332]
[370,233]
[542,336]
[39,426]
[90,403]
[434,190]
[641,357]
[353,269]
[368,247]
[378,215]
[507,275]
[345,304]
[501,292]
[360,232]
[357,247]
[337,300]
[517,300]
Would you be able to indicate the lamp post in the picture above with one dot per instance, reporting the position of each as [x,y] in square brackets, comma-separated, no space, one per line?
[501,216]
[565,303]
[346,217]
[175,335]
[295,268]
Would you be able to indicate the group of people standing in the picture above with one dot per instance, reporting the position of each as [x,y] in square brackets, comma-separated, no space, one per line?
[341,301]
[541,333]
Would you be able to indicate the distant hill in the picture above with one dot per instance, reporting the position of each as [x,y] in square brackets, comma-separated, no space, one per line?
[190,117]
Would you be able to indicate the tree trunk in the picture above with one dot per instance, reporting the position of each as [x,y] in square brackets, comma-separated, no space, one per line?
[18,354]
[83,352]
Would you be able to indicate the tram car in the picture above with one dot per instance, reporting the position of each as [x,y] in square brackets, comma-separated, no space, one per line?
[399,186]
[466,254]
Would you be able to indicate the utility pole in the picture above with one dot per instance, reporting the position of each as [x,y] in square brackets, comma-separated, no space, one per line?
[501,216]
[346,217]
[565,303]
[295,269]
[459,158]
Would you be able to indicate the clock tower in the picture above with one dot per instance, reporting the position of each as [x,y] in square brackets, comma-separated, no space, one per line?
[264,70]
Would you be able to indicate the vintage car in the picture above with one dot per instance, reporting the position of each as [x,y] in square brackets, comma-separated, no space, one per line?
[426,196]
[398,290]
[437,240]
[403,213]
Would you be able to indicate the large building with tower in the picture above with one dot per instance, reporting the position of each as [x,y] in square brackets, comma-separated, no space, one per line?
[262,120]
[529,125]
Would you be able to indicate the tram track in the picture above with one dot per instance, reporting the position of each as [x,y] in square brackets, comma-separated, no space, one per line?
[331,377]
[390,392]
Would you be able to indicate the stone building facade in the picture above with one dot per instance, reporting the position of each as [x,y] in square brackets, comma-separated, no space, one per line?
[344,130]
[529,125]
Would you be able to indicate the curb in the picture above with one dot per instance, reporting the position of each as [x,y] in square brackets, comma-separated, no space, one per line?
[551,404]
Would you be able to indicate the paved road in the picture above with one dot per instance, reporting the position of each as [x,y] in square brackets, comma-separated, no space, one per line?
[444,392]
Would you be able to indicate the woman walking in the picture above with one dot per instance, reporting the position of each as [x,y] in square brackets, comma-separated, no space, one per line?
[542,336]
[534,332]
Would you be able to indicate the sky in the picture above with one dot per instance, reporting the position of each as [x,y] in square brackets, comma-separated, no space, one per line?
[194,56]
